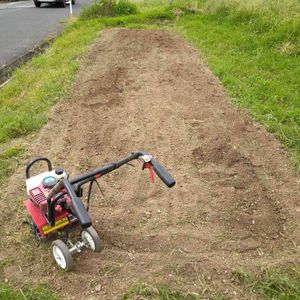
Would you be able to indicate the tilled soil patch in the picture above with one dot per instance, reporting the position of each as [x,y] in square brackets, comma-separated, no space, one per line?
[236,202]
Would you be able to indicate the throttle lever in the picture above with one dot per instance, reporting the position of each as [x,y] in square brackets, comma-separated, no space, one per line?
[146,158]
[152,165]
[147,165]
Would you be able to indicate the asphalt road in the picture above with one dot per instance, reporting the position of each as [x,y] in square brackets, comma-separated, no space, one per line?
[22,25]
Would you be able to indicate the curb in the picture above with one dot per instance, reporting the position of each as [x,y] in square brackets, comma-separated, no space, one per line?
[7,69]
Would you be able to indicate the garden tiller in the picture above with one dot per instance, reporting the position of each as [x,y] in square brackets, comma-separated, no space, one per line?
[55,204]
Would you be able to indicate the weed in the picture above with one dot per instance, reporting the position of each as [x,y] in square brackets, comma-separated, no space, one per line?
[158,292]
[8,159]
[241,276]
[271,284]
[7,292]
[109,8]
[278,285]
[109,271]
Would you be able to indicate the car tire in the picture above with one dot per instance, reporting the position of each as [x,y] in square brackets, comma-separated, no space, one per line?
[37,3]
[63,3]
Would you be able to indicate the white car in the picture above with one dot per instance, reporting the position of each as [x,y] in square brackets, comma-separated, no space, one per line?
[62,3]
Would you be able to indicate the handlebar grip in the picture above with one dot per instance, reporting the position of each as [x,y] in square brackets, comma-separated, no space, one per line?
[80,212]
[77,206]
[163,174]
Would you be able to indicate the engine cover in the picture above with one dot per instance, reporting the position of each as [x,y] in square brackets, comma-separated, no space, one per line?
[38,198]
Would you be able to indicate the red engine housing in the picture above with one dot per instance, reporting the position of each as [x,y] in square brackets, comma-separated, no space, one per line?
[37,207]
[38,199]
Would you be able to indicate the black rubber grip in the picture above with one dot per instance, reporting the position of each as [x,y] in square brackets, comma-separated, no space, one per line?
[163,174]
[80,212]
[50,205]
[77,206]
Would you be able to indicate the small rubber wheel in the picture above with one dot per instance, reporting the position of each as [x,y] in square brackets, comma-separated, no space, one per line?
[91,239]
[37,3]
[62,255]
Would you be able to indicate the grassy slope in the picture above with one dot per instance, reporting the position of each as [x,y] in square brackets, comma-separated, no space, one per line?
[7,292]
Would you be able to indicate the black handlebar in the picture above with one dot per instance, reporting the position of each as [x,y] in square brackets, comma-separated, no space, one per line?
[33,161]
[163,174]
[77,207]
[73,186]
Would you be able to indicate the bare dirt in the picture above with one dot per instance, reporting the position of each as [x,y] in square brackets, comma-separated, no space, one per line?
[236,202]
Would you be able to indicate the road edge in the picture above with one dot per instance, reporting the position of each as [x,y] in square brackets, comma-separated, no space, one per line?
[7,69]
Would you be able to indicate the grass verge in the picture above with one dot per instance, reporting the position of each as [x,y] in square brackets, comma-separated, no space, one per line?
[157,292]
[8,160]
[7,292]
[109,8]
[271,284]
[37,85]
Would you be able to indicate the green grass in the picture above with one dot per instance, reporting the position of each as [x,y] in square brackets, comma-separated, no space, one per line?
[155,16]
[8,160]
[271,284]
[109,8]
[157,292]
[7,292]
